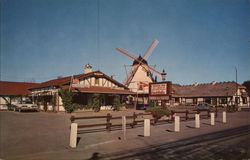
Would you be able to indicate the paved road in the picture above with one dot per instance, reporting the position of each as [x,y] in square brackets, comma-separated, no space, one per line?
[231,144]
[46,136]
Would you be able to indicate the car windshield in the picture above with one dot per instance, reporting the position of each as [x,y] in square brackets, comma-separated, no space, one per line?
[25,102]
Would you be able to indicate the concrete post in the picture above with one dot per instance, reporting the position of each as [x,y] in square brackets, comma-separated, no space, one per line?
[177,123]
[212,118]
[73,135]
[146,127]
[124,127]
[224,117]
[197,120]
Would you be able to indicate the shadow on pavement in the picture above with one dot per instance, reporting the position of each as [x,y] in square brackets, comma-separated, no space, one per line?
[207,146]
[189,126]
[95,156]
[207,124]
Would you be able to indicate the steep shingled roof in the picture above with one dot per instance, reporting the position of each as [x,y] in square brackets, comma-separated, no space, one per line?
[16,88]
[206,90]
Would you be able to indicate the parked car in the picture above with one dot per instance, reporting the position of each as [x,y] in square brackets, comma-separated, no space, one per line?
[141,106]
[25,106]
[204,106]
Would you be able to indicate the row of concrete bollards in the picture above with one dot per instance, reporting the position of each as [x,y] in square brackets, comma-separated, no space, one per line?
[73,132]
[197,121]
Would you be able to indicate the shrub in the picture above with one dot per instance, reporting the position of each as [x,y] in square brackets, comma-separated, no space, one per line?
[116,103]
[67,97]
[81,106]
[97,102]
[158,112]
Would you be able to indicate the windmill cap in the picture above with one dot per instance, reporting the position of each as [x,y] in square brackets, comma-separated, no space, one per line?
[140,59]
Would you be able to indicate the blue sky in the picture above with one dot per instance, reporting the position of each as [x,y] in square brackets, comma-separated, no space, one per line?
[199,40]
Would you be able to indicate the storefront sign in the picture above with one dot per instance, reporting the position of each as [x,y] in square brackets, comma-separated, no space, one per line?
[160,90]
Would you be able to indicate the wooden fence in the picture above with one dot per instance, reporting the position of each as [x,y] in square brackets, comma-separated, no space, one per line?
[135,120]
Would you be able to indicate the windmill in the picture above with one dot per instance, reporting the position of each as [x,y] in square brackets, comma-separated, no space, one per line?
[140,74]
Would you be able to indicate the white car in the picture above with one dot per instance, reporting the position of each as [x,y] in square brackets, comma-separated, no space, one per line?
[25,106]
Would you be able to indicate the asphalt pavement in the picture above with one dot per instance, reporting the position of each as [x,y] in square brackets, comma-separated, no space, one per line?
[46,136]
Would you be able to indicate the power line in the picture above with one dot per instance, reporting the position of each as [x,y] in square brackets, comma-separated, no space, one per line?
[98,34]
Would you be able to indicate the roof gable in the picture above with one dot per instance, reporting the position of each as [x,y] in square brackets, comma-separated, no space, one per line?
[66,80]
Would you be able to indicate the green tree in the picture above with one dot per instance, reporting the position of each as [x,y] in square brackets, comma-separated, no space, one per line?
[247,85]
[67,97]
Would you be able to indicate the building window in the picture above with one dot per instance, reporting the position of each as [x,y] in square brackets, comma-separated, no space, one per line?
[237,100]
[96,81]
[208,100]
[244,100]
[177,100]
[194,100]
[223,101]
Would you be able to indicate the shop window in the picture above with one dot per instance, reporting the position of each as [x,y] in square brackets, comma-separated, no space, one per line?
[223,101]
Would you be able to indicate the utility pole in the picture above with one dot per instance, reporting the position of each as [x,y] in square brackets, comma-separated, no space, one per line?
[236,77]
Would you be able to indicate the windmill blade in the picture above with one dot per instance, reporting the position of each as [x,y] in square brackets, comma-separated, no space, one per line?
[152,69]
[129,54]
[131,74]
[141,62]
[126,53]
[150,49]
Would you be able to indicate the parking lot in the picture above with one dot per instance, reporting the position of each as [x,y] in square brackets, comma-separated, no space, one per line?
[27,133]
[39,135]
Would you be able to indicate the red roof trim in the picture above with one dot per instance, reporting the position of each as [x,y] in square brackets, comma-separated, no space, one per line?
[16,88]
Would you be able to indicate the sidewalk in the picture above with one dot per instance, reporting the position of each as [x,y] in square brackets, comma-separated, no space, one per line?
[105,143]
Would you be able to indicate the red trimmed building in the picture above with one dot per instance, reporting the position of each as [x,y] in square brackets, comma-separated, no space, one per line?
[215,93]
[13,92]
[85,85]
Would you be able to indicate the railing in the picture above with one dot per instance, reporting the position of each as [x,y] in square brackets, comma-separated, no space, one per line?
[197,111]
[108,118]
[135,120]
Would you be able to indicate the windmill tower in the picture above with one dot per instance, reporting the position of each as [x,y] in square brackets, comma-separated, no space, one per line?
[141,73]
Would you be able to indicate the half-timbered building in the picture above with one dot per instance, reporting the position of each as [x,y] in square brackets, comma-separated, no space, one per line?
[46,95]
